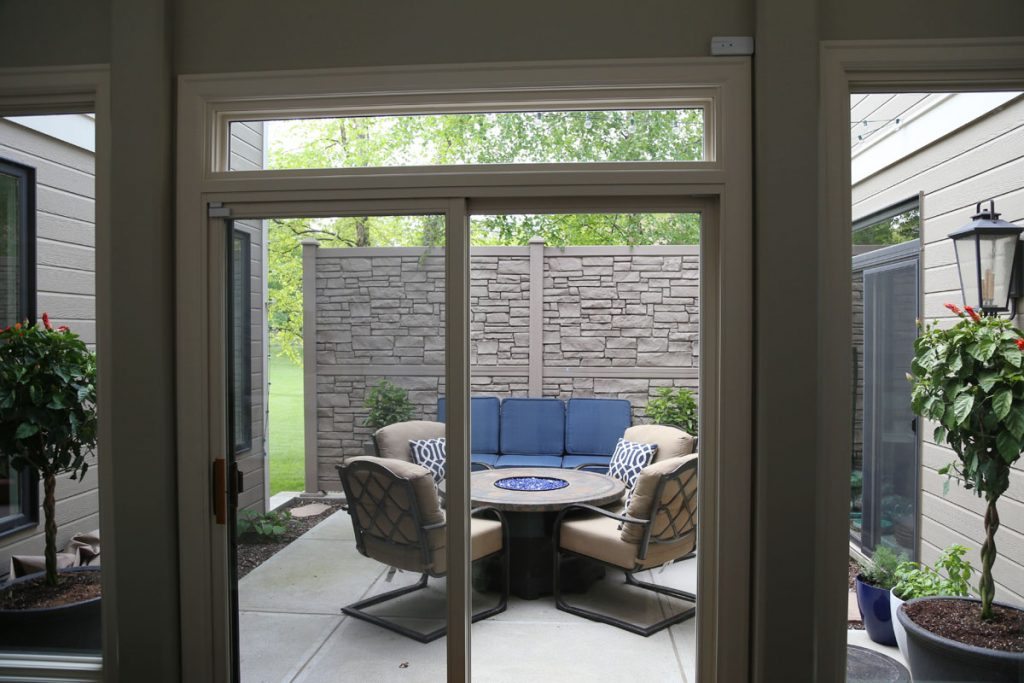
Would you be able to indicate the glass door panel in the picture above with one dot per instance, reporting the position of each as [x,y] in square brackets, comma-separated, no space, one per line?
[341,572]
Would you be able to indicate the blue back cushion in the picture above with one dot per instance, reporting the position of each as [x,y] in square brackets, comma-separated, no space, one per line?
[594,425]
[533,426]
[484,414]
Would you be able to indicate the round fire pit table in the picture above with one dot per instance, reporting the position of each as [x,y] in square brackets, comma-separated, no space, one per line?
[531,498]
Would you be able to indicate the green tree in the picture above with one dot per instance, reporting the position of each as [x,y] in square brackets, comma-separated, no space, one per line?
[489,138]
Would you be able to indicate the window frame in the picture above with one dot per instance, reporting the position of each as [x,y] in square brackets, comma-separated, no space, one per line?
[241,404]
[28,481]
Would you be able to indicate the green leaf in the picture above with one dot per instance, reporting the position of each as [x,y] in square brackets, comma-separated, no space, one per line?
[955,363]
[1015,421]
[987,379]
[26,429]
[962,407]
[1008,446]
[1012,355]
[939,436]
[1001,402]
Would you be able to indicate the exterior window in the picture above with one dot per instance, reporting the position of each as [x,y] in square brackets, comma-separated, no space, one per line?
[19,505]
[241,341]
[895,228]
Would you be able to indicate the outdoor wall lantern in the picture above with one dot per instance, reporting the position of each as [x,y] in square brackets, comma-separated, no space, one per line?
[987,256]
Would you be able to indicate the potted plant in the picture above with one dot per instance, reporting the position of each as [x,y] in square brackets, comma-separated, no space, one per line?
[969,379]
[915,580]
[877,576]
[674,407]
[387,404]
[48,425]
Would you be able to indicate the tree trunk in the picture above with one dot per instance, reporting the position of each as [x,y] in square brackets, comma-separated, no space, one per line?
[362,233]
[986,587]
[50,529]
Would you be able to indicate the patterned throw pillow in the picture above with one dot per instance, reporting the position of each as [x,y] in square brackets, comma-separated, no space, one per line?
[628,459]
[429,453]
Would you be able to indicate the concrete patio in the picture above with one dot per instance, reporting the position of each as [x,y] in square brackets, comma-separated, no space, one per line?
[291,627]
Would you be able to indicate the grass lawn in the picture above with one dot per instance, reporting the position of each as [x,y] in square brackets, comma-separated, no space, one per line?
[287,451]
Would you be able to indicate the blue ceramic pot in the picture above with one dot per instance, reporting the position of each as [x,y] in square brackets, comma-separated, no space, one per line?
[875,612]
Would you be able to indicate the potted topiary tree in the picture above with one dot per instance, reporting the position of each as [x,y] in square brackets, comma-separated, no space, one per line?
[48,425]
[970,379]
[387,404]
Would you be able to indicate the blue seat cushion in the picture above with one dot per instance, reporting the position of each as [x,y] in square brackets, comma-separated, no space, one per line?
[572,461]
[532,426]
[594,425]
[484,412]
[486,458]
[539,460]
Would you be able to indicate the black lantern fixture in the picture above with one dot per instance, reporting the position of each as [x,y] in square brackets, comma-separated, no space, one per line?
[986,255]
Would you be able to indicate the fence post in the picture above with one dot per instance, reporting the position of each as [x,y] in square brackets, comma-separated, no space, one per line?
[309,389]
[536,353]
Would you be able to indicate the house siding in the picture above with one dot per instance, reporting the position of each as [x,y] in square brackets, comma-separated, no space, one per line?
[983,159]
[247,155]
[66,290]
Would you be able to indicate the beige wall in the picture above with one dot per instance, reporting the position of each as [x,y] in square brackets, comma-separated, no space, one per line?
[148,43]
[982,160]
[66,289]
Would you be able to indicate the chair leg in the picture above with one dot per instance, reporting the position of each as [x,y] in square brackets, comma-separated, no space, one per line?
[645,631]
[357,609]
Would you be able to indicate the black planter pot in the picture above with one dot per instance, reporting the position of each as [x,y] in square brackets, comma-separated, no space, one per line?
[69,627]
[934,658]
[875,613]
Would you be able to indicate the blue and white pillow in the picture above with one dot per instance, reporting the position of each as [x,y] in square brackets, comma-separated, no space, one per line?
[430,453]
[628,459]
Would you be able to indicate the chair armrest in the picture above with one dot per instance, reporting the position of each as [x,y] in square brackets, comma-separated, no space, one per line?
[591,464]
[600,511]
[481,465]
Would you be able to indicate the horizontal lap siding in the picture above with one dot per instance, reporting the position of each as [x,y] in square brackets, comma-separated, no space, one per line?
[247,154]
[66,290]
[980,161]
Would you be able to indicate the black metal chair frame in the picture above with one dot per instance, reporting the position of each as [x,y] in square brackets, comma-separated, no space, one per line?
[678,536]
[395,537]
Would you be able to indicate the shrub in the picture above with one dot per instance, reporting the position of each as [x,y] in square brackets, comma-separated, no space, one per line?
[880,570]
[388,404]
[676,407]
[47,411]
[921,581]
[266,526]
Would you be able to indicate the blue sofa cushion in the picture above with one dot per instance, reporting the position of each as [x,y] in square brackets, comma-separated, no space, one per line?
[594,425]
[532,426]
[573,461]
[486,458]
[484,416]
[538,460]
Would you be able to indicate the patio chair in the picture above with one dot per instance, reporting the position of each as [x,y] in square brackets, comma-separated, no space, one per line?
[393,440]
[658,527]
[398,521]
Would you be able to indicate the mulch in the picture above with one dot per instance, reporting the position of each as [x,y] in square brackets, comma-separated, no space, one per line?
[252,552]
[960,620]
[73,587]
[853,570]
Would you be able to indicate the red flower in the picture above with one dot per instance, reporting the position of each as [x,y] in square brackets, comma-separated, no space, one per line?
[1020,344]
[46,322]
[17,326]
[971,312]
[956,309]
[65,328]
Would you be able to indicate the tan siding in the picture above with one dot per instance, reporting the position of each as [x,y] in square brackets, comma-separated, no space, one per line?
[66,288]
[982,160]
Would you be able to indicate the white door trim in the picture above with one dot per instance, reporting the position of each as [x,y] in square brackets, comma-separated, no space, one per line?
[207,102]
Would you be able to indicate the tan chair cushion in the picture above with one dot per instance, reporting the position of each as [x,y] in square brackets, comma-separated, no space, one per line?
[391,537]
[599,537]
[393,441]
[672,441]
[679,498]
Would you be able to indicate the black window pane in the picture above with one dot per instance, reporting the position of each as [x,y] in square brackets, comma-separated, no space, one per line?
[241,349]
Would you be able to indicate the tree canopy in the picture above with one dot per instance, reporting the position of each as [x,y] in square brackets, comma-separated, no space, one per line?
[485,138]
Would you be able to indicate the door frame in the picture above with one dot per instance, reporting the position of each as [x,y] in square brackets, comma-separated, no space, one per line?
[206,103]
[848,67]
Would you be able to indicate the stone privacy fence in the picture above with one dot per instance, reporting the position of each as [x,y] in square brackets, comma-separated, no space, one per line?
[615,322]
